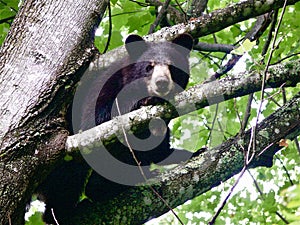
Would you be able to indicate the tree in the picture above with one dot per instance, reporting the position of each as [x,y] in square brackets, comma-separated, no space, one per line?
[51,43]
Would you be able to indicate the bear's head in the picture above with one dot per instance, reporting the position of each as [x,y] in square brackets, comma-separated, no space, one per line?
[163,65]
[151,74]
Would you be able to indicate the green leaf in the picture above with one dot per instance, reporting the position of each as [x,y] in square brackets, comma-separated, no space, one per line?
[246,46]
[35,219]
[113,2]
[6,12]
[292,196]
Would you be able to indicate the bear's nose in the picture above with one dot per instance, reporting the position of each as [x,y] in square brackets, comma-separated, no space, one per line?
[162,85]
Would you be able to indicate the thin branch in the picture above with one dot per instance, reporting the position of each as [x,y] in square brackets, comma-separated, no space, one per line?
[213,220]
[182,11]
[201,46]
[297,145]
[285,58]
[285,169]
[226,68]
[263,85]
[270,34]
[175,15]
[126,13]
[159,17]
[282,218]
[257,30]
[197,7]
[110,27]
[261,24]
[213,122]
[140,3]
[237,112]
[4,3]
[5,20]
[270,97]
[54,217]
[283,95]
[247,114]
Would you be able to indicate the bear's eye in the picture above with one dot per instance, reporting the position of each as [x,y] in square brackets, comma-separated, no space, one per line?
[149,67]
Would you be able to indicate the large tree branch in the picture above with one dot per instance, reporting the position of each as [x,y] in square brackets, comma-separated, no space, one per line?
[287,74]
[197,176]
[204,25]
[212,166]
[235,13]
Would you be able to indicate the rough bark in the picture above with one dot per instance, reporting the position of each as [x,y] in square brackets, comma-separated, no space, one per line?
[197,97]
[205,24]
[212,167]
[42,56]
[220,19]
[197,176]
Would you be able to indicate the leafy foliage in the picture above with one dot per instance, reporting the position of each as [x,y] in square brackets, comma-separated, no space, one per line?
[127,17]
[8,10]
[214,124]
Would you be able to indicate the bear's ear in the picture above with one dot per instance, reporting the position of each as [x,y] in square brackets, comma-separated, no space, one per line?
[133,38]
[135,46]
[184,40]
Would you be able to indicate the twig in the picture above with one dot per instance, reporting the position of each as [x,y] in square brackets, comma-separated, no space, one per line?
[9,219]
[110,28]
[213,220]
[263,86]
[5,20]
[213,122]
[247,114]
[201,46]
[285,58]
[297,145]
[160,15]
[285,169]
[261,24]
[140,3]
[252,142]
[13,9]
[270,34]
[182,11]
[197,7]
[237,112]
[283,95]
[55,220]
[175,15]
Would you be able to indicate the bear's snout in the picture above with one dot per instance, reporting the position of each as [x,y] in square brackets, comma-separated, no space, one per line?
[161,83]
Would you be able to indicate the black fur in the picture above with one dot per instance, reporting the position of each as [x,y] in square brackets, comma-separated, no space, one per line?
[63,187]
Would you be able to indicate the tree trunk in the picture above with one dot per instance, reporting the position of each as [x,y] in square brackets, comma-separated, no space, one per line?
[41,61]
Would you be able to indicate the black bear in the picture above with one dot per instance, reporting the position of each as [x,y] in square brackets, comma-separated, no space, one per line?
[151,74]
